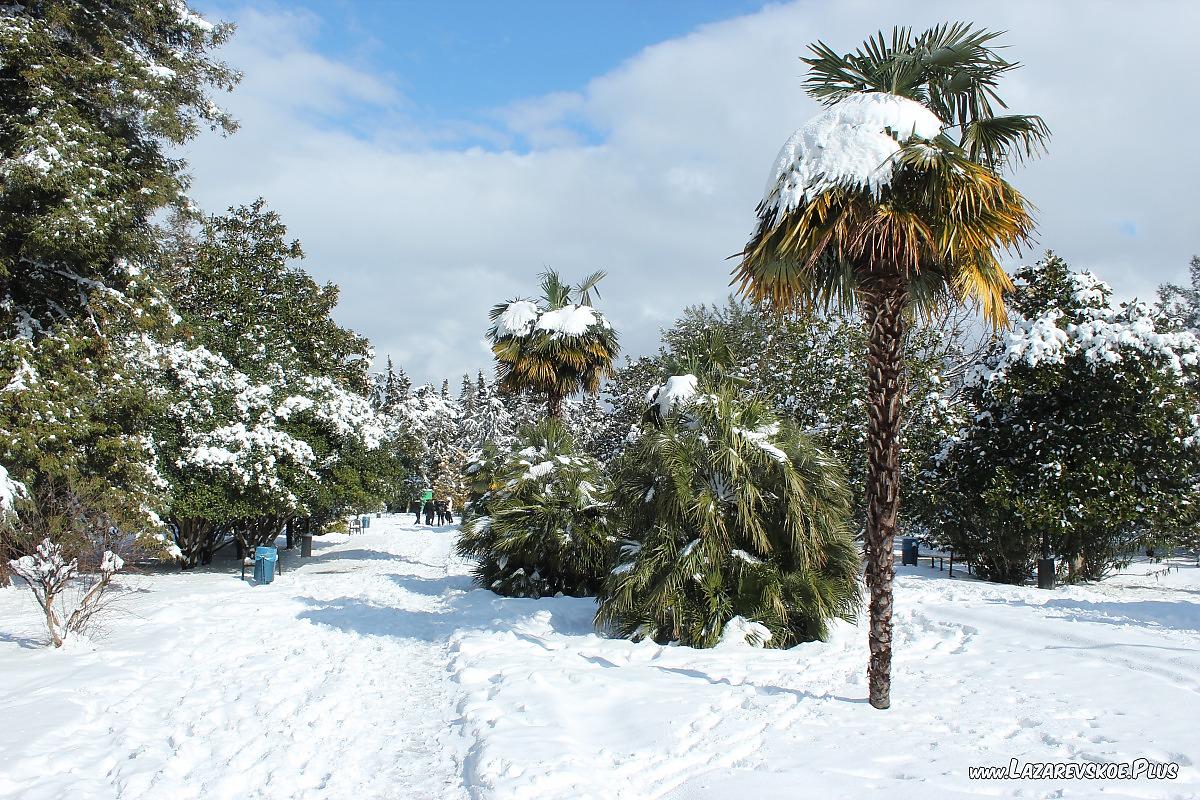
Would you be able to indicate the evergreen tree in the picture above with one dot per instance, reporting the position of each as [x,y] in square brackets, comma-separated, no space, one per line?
[391,387]
[466,395]
[1181,304]
[1083,430]
[241,299]
[403,385]
[489,421]
[96,98]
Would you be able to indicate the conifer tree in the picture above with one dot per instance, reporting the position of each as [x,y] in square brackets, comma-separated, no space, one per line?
[391,387]
[96,98]
[466,395]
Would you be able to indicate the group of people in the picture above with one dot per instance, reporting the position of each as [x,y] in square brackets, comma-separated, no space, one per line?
[433,508]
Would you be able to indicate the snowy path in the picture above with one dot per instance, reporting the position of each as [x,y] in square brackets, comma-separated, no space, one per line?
[375,670]
[329,683]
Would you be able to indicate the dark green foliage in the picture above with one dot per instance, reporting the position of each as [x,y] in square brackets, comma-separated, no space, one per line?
[807,367]
[95,97]
[237,288]
[542,523]
[727,511]
[1083,431]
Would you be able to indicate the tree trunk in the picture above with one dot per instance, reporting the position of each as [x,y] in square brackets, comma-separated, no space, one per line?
[884,300]
[554,405]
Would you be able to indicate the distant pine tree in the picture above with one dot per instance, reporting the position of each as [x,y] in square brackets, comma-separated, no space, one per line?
[466,395]
[403,385]
[391,387]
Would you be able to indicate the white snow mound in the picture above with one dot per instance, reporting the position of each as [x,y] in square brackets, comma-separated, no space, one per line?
[517,319]
[677,390]
[568,320]
[849,144]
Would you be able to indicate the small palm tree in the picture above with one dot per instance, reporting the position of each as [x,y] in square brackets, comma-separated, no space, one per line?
[891,201]
[542,523]
[728,513]
[557,347]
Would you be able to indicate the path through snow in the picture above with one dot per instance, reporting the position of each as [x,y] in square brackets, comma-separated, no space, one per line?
[376,670]
[331,682]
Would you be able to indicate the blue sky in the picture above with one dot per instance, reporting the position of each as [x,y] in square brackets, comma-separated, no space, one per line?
[433,157]
[463,60]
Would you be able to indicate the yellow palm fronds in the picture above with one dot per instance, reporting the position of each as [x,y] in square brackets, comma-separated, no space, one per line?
[943,220]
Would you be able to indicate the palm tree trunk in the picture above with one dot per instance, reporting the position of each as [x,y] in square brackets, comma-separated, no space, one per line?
[884,299]
[554,405]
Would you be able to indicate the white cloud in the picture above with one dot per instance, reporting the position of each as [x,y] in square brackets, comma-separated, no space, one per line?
[652,171]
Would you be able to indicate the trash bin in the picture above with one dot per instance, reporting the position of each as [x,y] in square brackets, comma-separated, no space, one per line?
[1045,573]
[908,552]
[264,564]
[366,522]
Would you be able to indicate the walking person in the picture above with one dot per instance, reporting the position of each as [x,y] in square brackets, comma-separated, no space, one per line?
[415,507]
[441,511]
[449,515]
[429,509]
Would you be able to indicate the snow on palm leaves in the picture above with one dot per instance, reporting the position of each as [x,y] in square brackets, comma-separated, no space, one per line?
[544,527]
[731,514]
[555,346]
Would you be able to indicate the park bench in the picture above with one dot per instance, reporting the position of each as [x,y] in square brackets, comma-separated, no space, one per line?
[356,525]
[943,560]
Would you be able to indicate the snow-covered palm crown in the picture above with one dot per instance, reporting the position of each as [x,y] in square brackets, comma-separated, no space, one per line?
[555,346]
[851,144]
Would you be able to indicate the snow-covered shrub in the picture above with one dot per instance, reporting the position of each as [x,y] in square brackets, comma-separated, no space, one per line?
[728,513]
[807,366]
[1084,429]
[52,578]
[545,527]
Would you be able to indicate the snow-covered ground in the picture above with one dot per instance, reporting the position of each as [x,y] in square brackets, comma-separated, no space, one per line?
[375,670]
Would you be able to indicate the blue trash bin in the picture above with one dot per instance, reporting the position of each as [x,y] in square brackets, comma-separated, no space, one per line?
[366,522]
[908,552]
[264,564]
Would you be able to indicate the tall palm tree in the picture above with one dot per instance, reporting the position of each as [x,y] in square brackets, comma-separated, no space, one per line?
[891,201]
[557,346]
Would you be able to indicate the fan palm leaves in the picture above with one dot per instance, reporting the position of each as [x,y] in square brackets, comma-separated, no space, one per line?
[557,346]
[891,202]
[544,526]
[729,512]
[952,68]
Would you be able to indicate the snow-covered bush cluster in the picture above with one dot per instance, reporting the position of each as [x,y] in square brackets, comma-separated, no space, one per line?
[1080,427]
